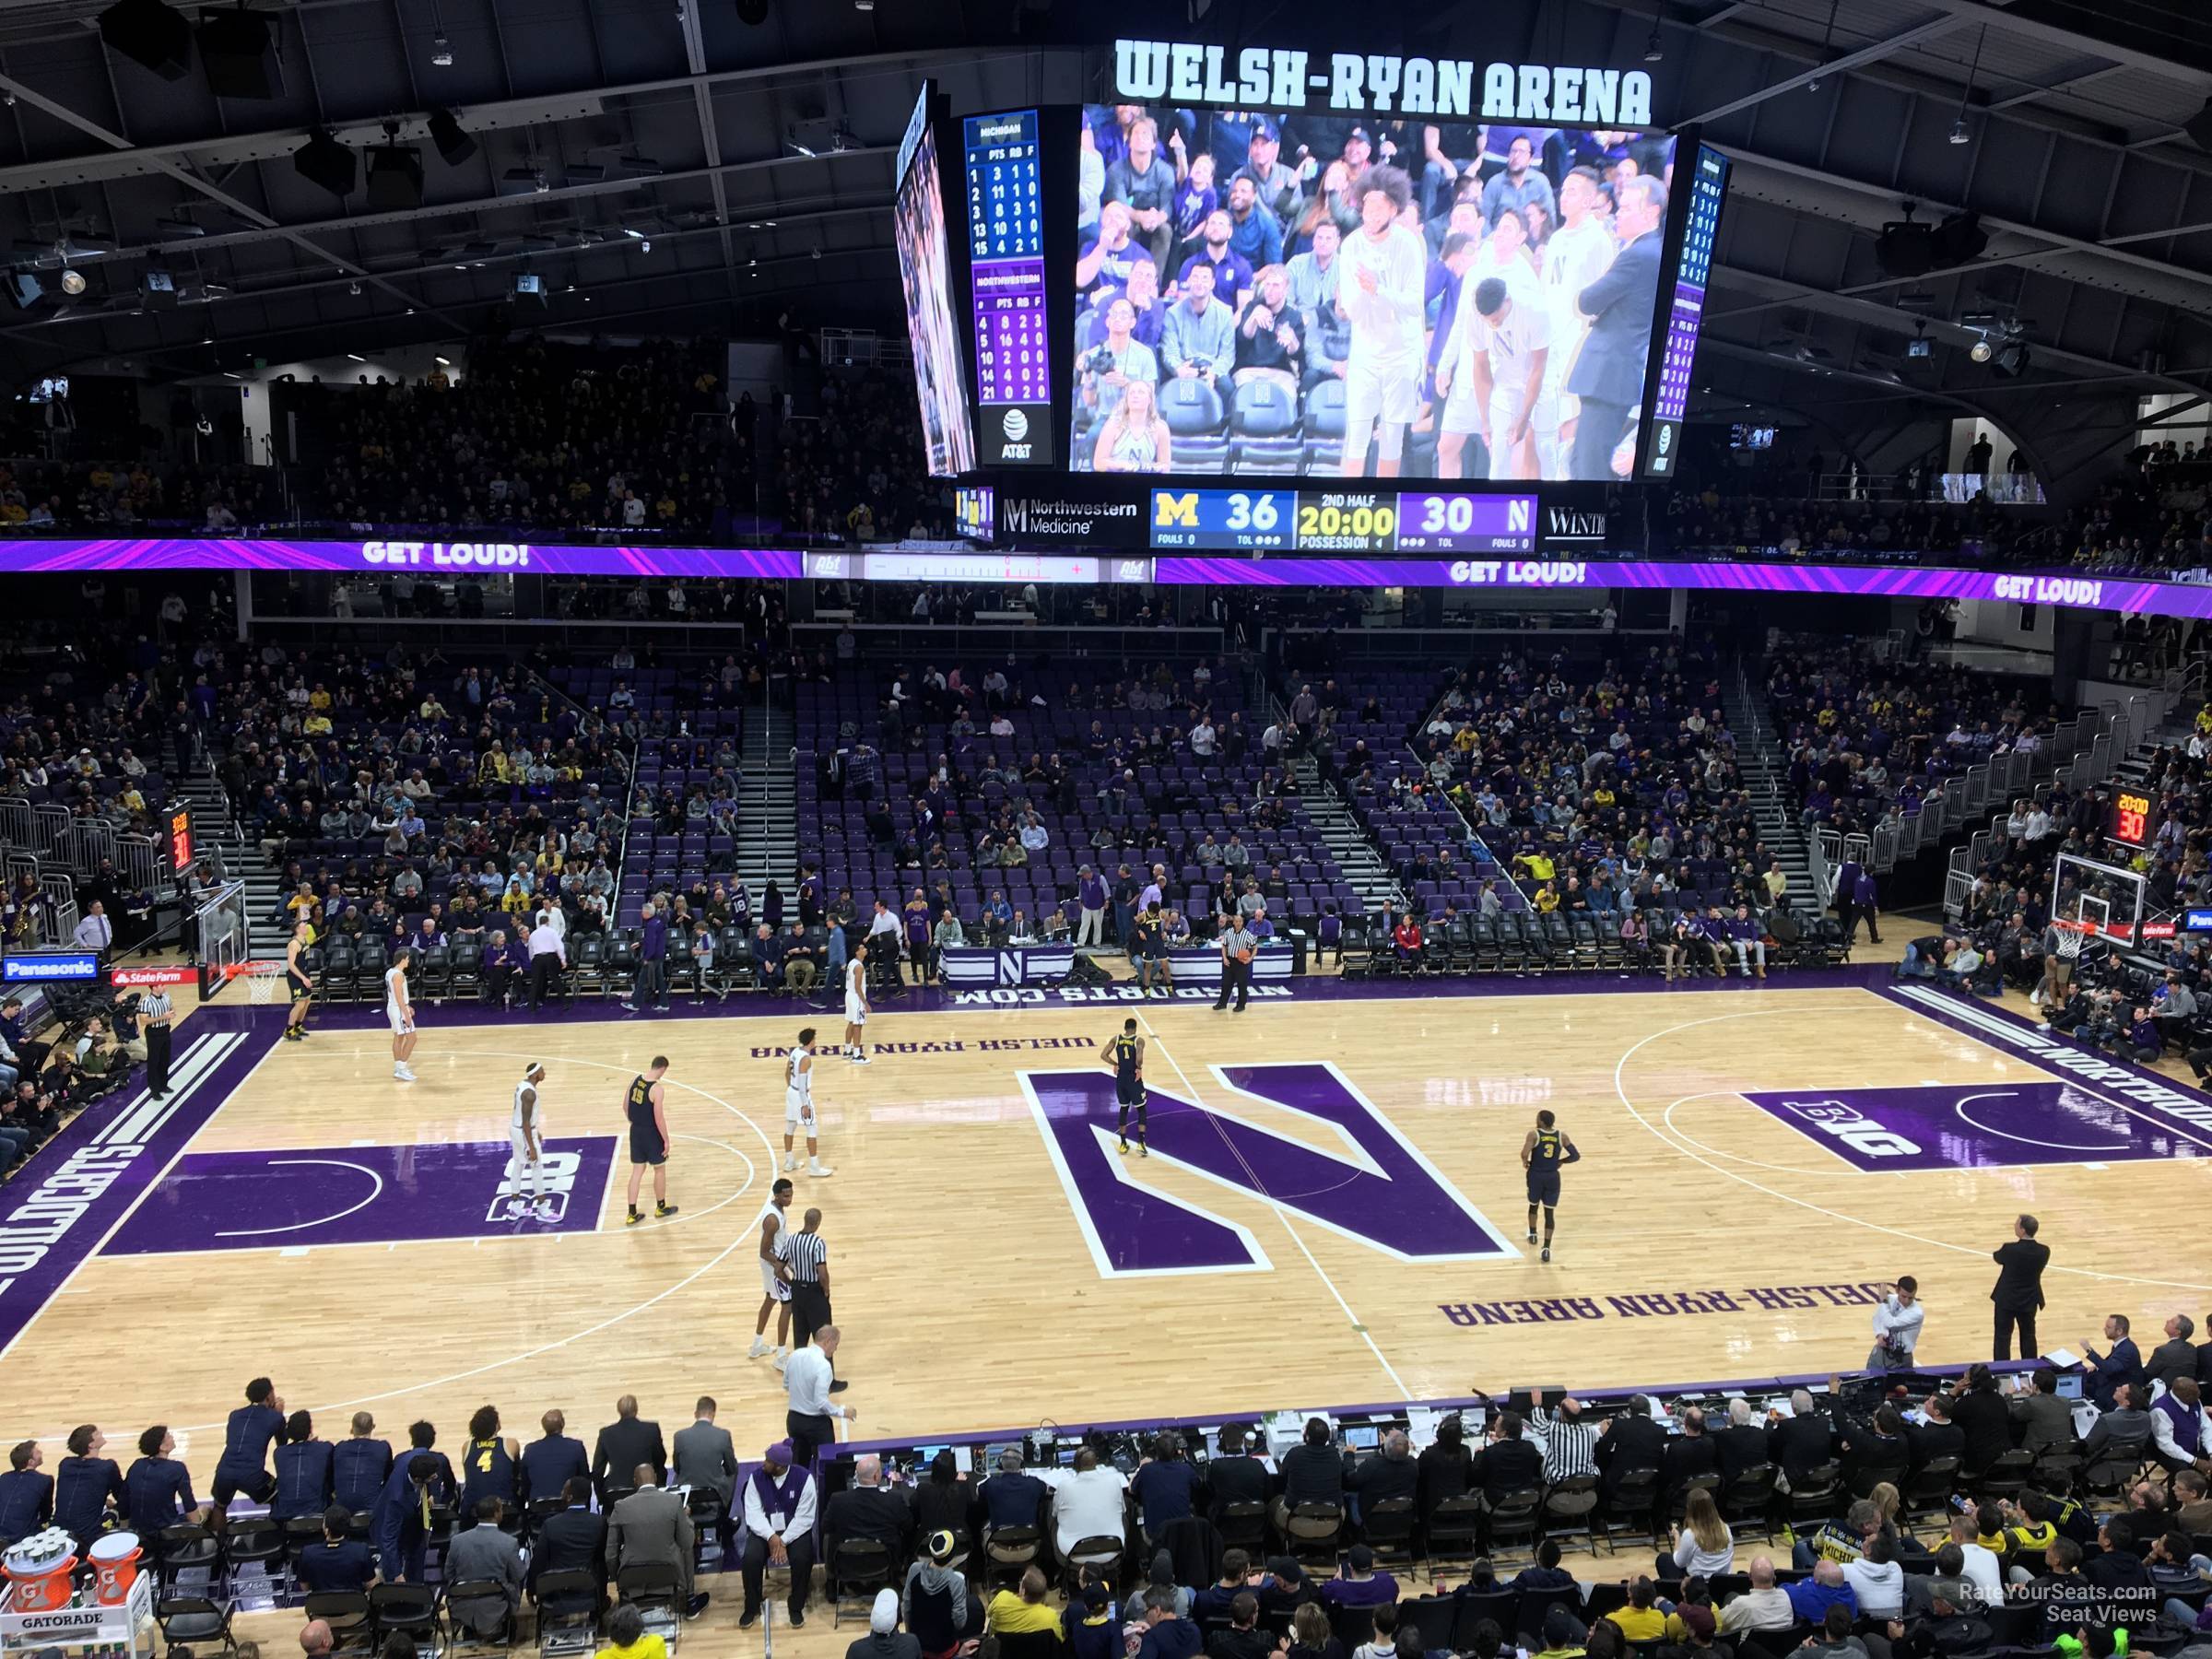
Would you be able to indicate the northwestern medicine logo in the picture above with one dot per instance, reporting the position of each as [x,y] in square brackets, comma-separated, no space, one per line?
[1373,1186]
[1030,515]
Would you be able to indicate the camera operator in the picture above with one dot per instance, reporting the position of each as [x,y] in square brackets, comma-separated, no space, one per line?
[1116,360]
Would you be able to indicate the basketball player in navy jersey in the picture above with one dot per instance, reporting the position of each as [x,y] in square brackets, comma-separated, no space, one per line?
[298,982]
[648,1113]
[1543,1150]
[1126,1049]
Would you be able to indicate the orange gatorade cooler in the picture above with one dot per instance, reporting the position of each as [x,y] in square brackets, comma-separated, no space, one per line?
[115,1563]
[39,1569]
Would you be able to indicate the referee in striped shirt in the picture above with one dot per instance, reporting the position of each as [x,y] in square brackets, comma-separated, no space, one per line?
[155,1013]
[1570,1441]
[806,1258]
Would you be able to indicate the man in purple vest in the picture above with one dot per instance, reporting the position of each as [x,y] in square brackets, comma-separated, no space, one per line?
[779,1530]
[653,962]
[1090,897]
[2179,1428]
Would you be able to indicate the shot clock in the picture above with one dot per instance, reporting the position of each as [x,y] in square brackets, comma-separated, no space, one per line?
[2134,817]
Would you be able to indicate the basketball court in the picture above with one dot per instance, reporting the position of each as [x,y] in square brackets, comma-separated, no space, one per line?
[1332,1211]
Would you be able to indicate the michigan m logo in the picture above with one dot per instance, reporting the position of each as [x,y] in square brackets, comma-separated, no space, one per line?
[1172,511]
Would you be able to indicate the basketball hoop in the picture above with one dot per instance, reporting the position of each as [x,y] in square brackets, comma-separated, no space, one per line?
[260,977]
[2071,936]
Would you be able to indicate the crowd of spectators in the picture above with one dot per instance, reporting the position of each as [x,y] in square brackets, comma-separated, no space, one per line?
[538,436]
[90,495]
[2140,998]
[410,798]
[94,744]
[1871,743]
[858,471]
[1606,786]
[1944,1518]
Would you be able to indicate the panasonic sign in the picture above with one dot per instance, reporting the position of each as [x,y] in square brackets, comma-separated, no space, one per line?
[1187,72]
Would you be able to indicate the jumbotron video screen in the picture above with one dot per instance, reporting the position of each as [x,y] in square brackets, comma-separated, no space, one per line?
[1330,294]
[933,329]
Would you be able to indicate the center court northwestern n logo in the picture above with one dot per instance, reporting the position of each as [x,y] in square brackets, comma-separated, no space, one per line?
[1378,1190]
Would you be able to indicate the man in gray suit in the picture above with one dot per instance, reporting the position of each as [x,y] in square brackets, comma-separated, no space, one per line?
[652,1525]
[706,1461]
[483,1554]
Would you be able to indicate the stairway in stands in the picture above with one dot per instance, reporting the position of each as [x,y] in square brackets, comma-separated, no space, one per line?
[1764,763]
[1347,844]
[767,810]
[242,861]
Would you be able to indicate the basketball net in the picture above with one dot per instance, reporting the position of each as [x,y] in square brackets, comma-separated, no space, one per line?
[260,979]
[2071,936]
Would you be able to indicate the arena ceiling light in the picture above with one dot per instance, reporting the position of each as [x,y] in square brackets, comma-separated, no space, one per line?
[1981,350]
[1966,96]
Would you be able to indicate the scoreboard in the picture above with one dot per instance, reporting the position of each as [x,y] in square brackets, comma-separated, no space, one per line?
[1343,521]
[1677,344]
[1005,253]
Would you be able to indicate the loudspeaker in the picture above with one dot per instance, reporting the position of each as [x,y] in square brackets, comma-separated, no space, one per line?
[323,160]
[25,290]
[237,50]
[148,33]
[1905,248]
[754,12]
[395,177]
[454,145]
[1959,239]
[157,290]
[2198,127]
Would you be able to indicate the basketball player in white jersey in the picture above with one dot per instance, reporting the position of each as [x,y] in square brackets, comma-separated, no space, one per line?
[798,1106]
[1577,256]
[399,1014]
[526,1135]
[1495,361]
[1380,291]
[856,1007]
[775,1282]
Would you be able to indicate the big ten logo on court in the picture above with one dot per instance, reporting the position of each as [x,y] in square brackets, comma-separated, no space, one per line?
[560,1180]
[1854,1128]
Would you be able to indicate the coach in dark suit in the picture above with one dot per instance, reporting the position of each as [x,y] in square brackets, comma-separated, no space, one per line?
[1630,1441]
[1742,1445]
[1689,1455]
[2018,1293]
[1801,1442]
[1608,372]
[625,1443]
[570,1539]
